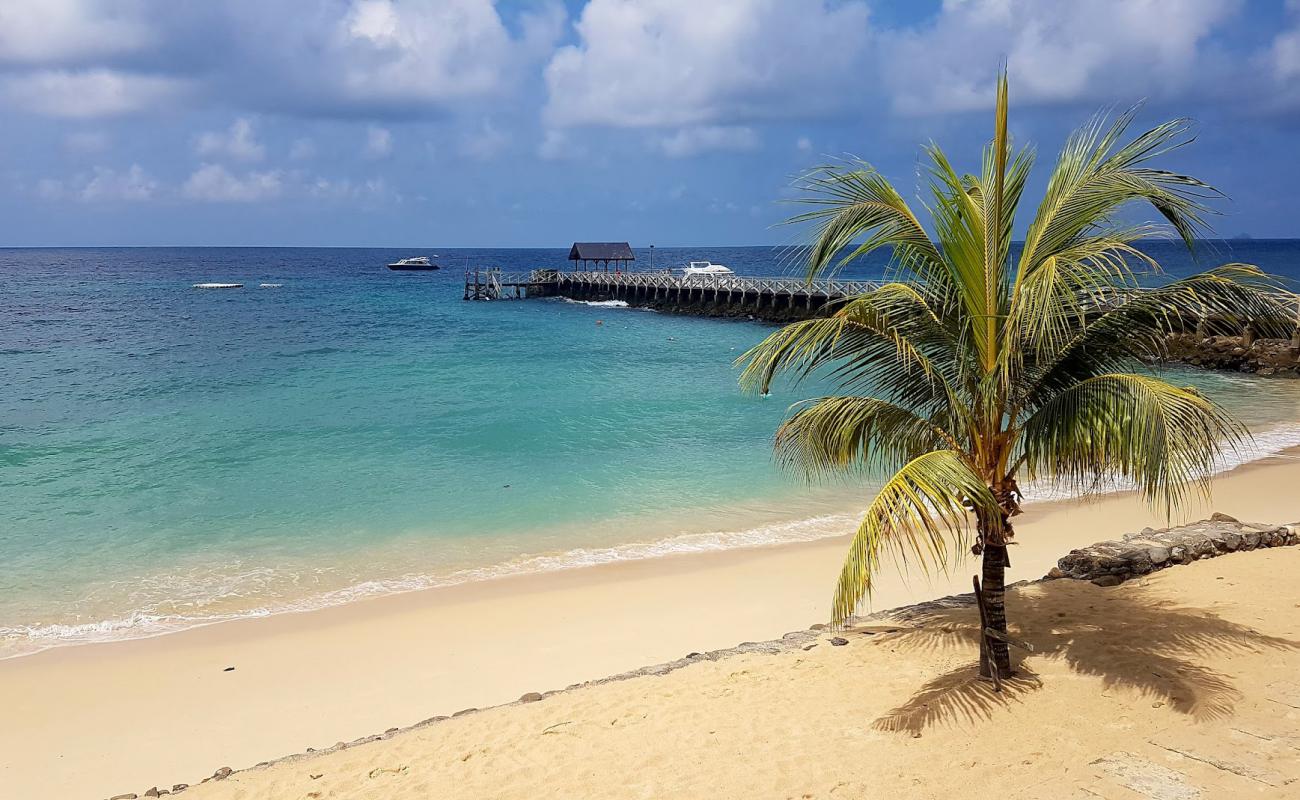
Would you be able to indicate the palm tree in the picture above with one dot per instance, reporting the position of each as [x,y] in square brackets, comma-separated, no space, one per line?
[971,370]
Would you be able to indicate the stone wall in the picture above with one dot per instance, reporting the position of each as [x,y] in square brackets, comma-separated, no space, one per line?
[1262,357]
[1113,562]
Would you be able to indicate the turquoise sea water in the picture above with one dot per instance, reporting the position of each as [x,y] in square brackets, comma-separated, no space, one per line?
[171,456]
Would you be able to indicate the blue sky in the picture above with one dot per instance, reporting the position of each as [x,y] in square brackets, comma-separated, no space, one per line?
[538,122]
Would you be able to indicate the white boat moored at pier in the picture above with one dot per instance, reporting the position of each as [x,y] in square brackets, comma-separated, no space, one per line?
[705,268]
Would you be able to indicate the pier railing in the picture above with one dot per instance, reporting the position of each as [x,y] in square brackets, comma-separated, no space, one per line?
[493,284]
[726,283]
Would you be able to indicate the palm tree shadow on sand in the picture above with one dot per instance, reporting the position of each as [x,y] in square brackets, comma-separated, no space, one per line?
[1129,639]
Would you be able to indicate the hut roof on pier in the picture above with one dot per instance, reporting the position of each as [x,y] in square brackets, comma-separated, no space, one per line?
[601,251]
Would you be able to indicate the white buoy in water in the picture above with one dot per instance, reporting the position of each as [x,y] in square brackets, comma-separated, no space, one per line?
[218,286]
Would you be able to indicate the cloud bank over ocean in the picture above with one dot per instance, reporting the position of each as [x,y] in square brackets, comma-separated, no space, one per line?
[542,113]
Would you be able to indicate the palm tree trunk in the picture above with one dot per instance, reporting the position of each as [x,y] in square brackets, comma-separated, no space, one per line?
[993,588]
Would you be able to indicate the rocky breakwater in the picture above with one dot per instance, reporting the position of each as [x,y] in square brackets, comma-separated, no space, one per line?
[1113,562]
[1235,353]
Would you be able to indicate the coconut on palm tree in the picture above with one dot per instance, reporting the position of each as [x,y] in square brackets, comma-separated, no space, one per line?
[974,368]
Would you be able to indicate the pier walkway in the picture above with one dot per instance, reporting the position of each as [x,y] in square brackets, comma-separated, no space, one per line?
[760,294]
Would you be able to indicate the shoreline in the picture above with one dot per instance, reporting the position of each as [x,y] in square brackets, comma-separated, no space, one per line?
[815,519]
[761,530]
[307,680]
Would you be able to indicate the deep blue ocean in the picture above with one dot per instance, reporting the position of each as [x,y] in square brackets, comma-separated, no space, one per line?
[171,456]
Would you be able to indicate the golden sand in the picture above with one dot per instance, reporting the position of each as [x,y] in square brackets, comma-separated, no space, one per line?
[1182,684]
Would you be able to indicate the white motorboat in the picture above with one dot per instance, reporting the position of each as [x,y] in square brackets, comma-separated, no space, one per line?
[704,268]
[417,264]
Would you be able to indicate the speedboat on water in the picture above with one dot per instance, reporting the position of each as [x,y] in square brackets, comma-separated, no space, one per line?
[419,263]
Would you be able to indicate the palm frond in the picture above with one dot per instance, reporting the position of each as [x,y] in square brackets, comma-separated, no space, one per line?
[921,514]
[837,434]
[1226,297]
[1134,326]
[1162,438]
[958,211]
[854,200]
[893,317]
[1052,302]
[1095,176]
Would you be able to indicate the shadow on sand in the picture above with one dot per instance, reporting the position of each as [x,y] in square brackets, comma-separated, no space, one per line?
[1129,638]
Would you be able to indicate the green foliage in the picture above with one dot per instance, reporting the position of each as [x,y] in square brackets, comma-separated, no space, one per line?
[972,369]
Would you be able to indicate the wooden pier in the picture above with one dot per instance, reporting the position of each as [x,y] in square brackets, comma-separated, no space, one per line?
[720,295]
[787,299]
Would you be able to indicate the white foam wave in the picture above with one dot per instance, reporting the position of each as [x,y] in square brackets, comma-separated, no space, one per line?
[26,639]
[598,303]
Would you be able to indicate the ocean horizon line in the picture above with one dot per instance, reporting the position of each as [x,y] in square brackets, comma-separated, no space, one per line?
[517,247]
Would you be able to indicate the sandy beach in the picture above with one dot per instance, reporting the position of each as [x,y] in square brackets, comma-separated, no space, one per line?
[98,720]
[1177,685]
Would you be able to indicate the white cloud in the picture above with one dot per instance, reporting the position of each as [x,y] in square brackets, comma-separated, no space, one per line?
[379,142]
[663,63]
[558,145]
[302,149]
[484,143]
[89,93]
[214,183]
[103,185]
[1281,61]
[1286,55]
[1285,52]
[328,57]
[107,184]
[706,138]
[430,50]
[1054,52]
[69,31]
[374,189]
[238,142]
[86,142]
[331,189]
